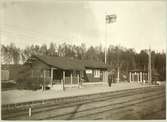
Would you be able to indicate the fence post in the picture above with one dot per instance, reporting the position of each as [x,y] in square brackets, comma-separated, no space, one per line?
[64,80]
[29,111]
[44,80]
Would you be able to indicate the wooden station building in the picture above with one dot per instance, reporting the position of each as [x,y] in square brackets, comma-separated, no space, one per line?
[63,72]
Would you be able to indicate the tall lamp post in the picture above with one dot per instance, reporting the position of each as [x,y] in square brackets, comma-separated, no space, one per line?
[109,19]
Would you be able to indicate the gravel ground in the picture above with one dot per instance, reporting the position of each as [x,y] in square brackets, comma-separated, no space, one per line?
[17,96]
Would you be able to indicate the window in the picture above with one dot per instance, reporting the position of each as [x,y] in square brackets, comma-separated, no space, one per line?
[88,71]
[97,73]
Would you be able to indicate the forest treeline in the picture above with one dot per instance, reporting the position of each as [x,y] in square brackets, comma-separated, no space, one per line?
[125,58]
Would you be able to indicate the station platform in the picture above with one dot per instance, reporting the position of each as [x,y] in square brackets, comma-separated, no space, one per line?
[19,96]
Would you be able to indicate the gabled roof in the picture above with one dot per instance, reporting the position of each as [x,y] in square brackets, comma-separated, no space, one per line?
[93,64]
[62,62]
[69,64]
[137,70]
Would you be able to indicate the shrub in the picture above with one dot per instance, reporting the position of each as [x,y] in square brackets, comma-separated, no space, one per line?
[24,79]
[8,86]
[29,83]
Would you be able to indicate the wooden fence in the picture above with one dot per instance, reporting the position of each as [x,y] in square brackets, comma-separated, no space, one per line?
[4,75]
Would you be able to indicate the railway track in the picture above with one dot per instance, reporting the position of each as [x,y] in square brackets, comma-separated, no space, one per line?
[62,100]
[58,101]
[93,106]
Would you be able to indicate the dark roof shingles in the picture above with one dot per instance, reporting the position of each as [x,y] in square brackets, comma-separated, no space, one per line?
[62,62]
[71,64]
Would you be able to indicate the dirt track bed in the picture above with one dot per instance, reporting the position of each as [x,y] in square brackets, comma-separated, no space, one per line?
[126,104]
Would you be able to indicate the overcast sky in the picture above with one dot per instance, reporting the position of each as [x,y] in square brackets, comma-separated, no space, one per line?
[138,25]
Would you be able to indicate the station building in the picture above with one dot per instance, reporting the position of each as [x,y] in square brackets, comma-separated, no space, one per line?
[63,72]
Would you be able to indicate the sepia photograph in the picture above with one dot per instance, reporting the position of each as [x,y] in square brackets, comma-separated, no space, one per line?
[83,60]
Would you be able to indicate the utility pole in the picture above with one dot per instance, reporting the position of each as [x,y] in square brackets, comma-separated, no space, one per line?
[149,66]
[118,74]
